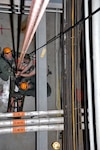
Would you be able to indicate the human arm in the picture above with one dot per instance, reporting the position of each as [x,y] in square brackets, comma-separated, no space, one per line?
[23,69]
[33,72]
[26,68]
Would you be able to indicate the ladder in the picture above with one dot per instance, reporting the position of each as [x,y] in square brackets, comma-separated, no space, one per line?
[16,100]
[15,103]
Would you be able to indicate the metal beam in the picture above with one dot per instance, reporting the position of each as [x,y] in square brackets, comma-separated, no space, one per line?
[28,3]
[5,7]
[41,78]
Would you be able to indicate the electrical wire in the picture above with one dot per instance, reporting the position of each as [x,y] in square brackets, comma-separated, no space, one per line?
[12,26]
[67,30]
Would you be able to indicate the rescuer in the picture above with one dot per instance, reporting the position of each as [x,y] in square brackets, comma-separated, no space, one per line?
[7,64]
[27,87]
[29,77]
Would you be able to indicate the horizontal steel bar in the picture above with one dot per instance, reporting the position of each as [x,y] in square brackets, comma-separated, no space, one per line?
[31,113]
[22,129]
[23,122]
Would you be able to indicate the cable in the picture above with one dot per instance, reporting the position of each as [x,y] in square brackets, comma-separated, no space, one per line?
[67,30]
[12,26]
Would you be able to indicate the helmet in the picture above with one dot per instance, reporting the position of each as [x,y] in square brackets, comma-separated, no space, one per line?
[6,50]
[24,85]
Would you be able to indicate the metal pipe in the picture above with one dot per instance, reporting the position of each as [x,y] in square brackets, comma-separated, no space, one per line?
[14,130]
[36,12]
[96,65]
[24,122]
[89,89]
[41,12]
[19,25]
[26,10]
[33,113]
[16,2]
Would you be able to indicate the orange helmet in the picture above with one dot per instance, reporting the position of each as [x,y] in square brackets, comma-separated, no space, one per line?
[6,50]
[24,85]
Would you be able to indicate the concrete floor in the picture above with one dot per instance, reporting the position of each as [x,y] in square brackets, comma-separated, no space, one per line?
[26,141]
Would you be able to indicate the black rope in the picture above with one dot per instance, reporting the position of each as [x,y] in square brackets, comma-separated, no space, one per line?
[67,30]
[19,25]
[12,26]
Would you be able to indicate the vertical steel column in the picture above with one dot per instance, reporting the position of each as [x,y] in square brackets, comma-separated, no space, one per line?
[96,64]
[66,77]
[57,47]
[41,78]
[89,88]
[73,76]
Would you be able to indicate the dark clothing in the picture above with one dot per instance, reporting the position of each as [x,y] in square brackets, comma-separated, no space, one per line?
[31,81]
[6,68]
[29,92]
[32,90]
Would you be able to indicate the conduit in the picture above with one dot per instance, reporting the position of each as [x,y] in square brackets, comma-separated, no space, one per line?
[23,122]
[89,87]
[36,12]
[23,129]
[33,113]
[73,80]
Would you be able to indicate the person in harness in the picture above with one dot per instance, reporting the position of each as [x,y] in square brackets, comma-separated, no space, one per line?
[25,77]
[7,64]
[27,86]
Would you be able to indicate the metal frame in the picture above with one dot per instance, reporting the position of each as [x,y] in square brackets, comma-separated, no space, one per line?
[5,7]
